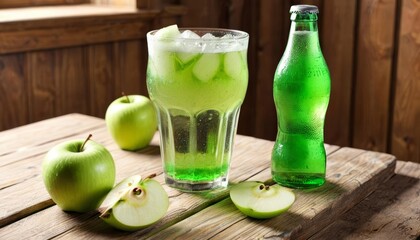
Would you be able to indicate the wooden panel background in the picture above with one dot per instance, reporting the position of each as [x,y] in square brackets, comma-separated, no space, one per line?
[372,48]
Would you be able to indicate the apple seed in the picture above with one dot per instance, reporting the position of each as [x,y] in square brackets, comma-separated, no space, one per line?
[137,191]
[261,186]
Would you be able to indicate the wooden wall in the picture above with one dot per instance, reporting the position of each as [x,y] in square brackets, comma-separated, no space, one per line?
[372,48]
[47,83]
[50,67]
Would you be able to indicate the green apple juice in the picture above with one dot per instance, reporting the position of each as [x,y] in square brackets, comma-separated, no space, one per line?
[197,86]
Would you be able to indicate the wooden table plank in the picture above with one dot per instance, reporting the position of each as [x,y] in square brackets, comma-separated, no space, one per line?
[26,138]
[391,212]
[352,175]
[27,164]
[348,169]
[18,202]
[182,205]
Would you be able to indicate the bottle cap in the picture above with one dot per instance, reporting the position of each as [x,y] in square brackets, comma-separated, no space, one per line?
[304,9]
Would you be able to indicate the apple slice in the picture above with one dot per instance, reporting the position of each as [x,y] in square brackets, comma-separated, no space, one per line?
[261,201]
[207,67]
[171,31]
[134,204]
[233,65]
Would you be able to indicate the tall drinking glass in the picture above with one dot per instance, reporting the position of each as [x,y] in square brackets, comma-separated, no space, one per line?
[197,81]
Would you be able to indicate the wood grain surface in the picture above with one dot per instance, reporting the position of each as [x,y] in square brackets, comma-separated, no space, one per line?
[30,213]
[391,212]
[375,49]
[101,79]
[36,39]
[337,39]
[70,69]
[405,133]
[241,15]
[348,183]
[41,85]
[13,91]
[274,21]
[130,68]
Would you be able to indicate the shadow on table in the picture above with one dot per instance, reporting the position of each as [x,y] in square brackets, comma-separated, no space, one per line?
[298,222]
[328,189]
[286,225]
[281,227]
[357,222]
[149,150]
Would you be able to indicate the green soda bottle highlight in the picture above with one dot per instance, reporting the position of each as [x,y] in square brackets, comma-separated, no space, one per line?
[301,94]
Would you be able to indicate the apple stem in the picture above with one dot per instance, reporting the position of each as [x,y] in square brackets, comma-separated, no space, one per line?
[83,145]
[128,99]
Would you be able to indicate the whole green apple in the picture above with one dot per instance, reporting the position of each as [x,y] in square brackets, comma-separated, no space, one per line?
[78,174]
[132,121]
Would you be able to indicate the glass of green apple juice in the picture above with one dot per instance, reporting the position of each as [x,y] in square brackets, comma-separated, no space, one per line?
[197,80]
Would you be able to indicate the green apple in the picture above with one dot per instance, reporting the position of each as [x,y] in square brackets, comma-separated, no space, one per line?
[132,121]
[78,174]
[171,31]
[257,200]
[134,204]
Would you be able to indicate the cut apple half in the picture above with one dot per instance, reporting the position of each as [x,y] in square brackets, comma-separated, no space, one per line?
[134,204]
[257,200]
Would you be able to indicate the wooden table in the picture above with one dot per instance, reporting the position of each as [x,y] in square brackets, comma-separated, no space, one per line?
[26,210]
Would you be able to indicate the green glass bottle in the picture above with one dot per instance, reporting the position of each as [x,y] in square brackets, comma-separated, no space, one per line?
[301,94]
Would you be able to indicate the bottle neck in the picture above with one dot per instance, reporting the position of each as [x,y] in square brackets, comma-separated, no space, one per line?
[303,36]
[311,26]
